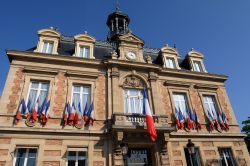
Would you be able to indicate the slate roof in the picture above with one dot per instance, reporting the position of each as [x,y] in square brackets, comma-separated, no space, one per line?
[102,50]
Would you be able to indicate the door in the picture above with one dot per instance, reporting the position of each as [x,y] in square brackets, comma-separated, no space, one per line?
[139,157]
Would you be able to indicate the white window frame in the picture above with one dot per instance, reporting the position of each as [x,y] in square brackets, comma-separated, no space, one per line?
[209,103]
[38,90]
[223,149]
[181,103]
[81,93]
[26,155]
[170,65]
[77,155]
[127,95]
[47,46]
[84,51]
[197,66]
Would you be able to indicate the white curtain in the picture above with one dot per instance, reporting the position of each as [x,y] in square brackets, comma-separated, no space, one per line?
[181,103]
[133,101]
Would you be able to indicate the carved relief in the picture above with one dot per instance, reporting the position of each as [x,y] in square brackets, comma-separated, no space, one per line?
[133,81]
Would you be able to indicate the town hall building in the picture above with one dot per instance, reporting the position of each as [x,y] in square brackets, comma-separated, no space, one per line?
[78,101]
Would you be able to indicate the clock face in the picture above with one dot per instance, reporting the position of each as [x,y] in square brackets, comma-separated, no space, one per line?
[131,55]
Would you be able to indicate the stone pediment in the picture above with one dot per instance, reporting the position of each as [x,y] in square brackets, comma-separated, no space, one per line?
[49,33]
[169,50]
[131,38]
[85,38]
[195,54]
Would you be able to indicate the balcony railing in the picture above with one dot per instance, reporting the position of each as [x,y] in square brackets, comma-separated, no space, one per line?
[133,121]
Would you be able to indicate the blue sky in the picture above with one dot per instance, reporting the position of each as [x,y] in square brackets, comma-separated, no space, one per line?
[218,29]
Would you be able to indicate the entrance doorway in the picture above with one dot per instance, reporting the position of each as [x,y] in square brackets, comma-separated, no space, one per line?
[139,157]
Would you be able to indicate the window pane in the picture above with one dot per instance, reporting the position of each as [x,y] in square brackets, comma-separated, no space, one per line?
[20,156]
[197,66]
[170,63]
[71,163]
[211,105]
[34,84]
[133,99]
[32,98]
[226,157]
[72,155]
[31,161]
[44,47]
[84,52]
[77,88]
[50,48]
[81,162]
[181,103]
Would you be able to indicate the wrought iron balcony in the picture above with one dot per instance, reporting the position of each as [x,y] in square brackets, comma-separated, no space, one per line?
[138,121]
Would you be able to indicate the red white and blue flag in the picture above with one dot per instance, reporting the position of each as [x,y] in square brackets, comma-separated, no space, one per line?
[35,110]
[225,120]
[46,114]
[149,119]
[197,121]
[72,114]
[210,118]
[20,111]
[66,113]
[90,114]
[85,113]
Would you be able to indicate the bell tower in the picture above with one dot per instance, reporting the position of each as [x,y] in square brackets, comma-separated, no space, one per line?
[118,24]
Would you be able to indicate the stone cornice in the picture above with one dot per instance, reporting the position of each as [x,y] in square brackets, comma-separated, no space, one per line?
[74,61]
[206,135]
[52,58]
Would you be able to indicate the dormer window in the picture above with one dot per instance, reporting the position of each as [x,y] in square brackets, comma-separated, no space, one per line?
[195,61]
[197,66]
[84,52]
[84,46]
[170,57]
[47,47]
[48,41]
[170,63]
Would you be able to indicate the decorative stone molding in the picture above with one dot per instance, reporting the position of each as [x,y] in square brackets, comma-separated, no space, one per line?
[153,76]
[114,55]
[84,40]
[132,121]
[115,72]
[133,82]
[50,35]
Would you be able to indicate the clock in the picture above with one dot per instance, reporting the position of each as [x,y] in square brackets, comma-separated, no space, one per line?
[131,55]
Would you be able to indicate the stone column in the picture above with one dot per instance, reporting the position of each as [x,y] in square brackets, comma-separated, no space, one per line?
[115,89]
[164,151]
[156,105]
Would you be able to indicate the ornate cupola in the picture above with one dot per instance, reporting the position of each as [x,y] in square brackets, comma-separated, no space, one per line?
[118,24]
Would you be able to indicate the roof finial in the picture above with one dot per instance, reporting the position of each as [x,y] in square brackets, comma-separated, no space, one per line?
[117,5]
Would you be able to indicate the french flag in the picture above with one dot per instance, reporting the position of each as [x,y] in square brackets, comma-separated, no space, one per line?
[225,120]
[46,116]
[177,118]
[72,114]
[210,117]
[149,119]
[28,109]
[181,118]
[192,118]
[91,114]
[85,113]
[188,121]
[66,113]
[197,122]
[20,111]
[35,111]
[222,125]
[43,110]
